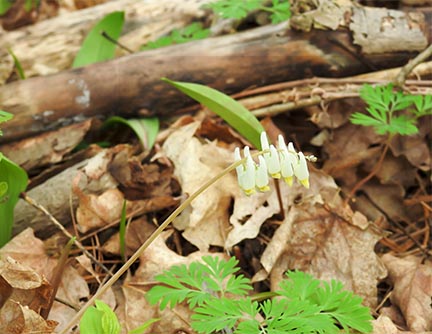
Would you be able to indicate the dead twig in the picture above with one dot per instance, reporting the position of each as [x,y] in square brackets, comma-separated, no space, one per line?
[41,208]
[406,70]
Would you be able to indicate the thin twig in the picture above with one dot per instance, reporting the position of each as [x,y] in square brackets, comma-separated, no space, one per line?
[407,69]
[41,208]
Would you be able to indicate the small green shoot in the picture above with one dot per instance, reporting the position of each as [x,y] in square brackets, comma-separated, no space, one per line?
[385,106]
[220,301]
[146,129]
[100,319]
[189,33]
[97,48]
[122,232]
[18,66]
[234,113]
[229,9]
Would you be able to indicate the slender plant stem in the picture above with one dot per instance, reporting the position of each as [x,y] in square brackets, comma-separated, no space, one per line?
[147,243]
[373,172]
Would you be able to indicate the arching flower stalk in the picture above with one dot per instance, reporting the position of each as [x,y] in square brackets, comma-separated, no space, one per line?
[282,161]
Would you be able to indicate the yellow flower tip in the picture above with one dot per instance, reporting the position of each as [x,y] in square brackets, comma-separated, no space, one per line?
[305,183]
[249,192]
[263,189]
[289,180]
[276,175]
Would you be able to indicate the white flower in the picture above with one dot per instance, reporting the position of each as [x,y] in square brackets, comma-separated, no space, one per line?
[261,176]
[283,161]
[246,171]
[287,160]
[271,158]
[301,170]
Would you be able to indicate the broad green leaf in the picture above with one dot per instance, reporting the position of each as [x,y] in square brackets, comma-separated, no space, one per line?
[16,180]
[143,327]
[146,129]
[97,48]
[3,189]
[4,6]
[110,323]
[234,113]
[18,66]
[91,321]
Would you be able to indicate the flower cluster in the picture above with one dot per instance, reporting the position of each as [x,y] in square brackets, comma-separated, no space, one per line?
[279,162]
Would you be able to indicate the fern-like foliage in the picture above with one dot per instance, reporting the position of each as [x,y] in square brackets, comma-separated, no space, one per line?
[221,305]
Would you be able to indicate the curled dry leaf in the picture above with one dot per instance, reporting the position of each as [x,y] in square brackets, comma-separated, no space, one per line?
[18,319]
[412,291]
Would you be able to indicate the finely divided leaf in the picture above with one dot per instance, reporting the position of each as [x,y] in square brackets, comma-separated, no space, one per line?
[96,47]
[234,113]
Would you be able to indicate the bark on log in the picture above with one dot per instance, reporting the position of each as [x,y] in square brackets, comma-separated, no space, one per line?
[50,46]
[131,85]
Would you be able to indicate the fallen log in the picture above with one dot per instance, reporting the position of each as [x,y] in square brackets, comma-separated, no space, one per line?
[131,85]
[49,46]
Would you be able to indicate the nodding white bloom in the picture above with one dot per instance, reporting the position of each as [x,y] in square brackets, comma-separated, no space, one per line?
[301,170]
[262,179]
[288,159]
[283,161]
[271,158]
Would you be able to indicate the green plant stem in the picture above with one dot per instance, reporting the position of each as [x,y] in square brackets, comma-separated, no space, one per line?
[147,243]
[373,172]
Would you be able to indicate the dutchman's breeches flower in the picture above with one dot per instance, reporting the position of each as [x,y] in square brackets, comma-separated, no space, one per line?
[283,161]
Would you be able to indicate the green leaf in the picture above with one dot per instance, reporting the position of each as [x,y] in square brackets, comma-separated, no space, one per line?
[222,313]
[16,180]
[365,120]
[143,327]
[3,189]
[97,48]
[18,66]
[91,321]
[4,6]
[192,32]
[229,9]
[146,129]
[234,113]
[423,105]
[100,319]
[5,116]
[403,125]
[281,11]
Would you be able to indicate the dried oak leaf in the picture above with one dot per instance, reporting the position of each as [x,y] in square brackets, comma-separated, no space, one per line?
[322,236]
[412,291]
[205,221]
[18,319]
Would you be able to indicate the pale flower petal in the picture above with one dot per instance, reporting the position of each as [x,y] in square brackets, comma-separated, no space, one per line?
[301,170]
[262,179]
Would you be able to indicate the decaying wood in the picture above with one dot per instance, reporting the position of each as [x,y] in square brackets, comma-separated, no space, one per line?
[50,46]
[131,85]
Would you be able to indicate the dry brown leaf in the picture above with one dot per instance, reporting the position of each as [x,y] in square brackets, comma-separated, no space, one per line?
[18,319]
[323,241]
[23,285]
[30,251]
[97,211]
[412,291]
[205,221]
[384,325]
